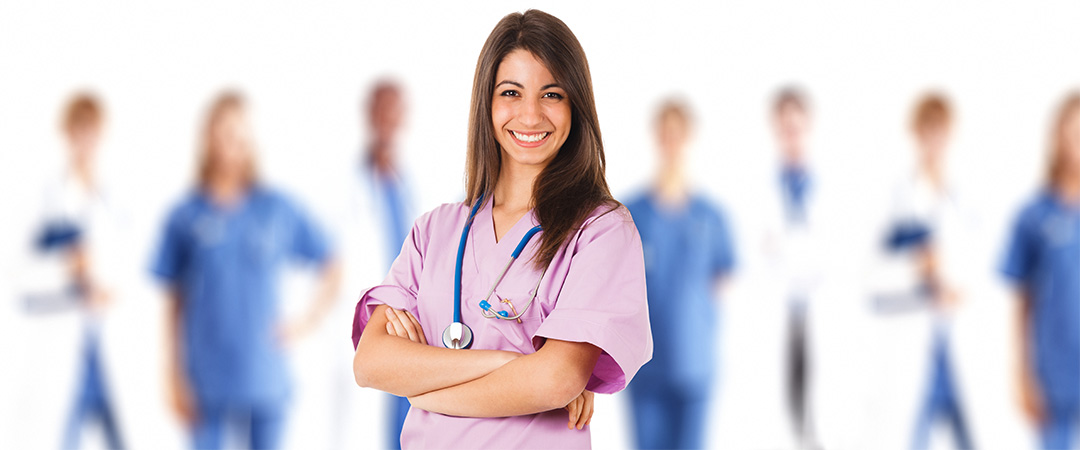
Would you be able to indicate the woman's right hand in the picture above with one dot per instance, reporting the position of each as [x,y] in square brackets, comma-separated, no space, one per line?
[181,399]
[1031,401]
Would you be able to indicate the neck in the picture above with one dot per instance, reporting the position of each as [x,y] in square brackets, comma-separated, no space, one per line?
[225,190]
[514,191]
[1068,187]
[84,174]
[933,172]
[381,155]
[671,185]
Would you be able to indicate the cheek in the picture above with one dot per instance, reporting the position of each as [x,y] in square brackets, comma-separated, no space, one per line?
[560,116]
[501,113]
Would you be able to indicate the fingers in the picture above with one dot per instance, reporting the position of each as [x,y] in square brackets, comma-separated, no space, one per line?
[419,329]
[410,330]
[586,410]
[403,324]
[392,319]
[575,409]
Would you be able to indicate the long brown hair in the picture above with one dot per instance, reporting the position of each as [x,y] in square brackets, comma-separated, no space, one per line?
[224,103]
[573,183]
[1068,110]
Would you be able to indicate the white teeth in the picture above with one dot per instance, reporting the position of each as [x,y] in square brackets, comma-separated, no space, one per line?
[529,137]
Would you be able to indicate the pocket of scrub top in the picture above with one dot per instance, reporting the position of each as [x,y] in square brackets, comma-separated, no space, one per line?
[518,334]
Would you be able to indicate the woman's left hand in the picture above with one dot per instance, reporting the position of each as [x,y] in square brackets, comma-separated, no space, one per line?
[581,410]
[402,324]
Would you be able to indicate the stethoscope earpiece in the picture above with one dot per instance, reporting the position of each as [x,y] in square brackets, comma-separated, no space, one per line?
[458,335]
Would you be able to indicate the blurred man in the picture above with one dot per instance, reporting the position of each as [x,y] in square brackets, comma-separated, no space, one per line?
[688,253]
[794,249]
[380,212]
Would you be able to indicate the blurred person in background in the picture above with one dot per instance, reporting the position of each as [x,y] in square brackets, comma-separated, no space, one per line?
[79,229]
[794,250]
[688,253]
[927,223]
[1042,261]
[379,216]
[220,257]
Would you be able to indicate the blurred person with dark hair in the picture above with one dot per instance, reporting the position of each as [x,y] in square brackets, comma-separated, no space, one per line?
[220,256]
[794,248]
[79,227]
[926,231]
[1042,261]
[379,214]
[688,253]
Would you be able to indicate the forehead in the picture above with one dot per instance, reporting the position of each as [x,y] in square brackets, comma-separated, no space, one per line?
[523,67]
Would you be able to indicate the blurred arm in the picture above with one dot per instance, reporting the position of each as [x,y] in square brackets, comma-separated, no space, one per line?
[406,368]
[325,297]
[1030,391]
[176,379]
[549,379]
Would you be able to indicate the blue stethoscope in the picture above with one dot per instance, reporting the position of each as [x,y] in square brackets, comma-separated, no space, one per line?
[460,336]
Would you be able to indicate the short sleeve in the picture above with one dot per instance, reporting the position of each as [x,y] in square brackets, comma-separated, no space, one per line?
[1019,259]
[603,301]
[400,287]
[169,256]
[307,242]
[723,251]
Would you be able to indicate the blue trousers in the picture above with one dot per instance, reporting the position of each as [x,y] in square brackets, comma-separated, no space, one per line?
[260,425]
[92,400]
[399,408]
[669,417]
[942,401]
[1060,428]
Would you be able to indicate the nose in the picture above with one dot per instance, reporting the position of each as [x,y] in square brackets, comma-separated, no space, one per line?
[531,114]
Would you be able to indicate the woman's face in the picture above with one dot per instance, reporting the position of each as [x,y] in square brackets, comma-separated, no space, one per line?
[672,133]
[230,143]
[529,110]
[1070,141]
[933,138]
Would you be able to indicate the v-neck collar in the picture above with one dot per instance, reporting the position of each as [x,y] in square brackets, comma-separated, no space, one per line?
[488,254]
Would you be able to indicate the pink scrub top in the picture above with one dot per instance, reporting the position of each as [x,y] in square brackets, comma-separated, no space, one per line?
[593,291]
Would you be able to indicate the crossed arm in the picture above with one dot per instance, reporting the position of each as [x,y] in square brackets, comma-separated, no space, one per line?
[392,355]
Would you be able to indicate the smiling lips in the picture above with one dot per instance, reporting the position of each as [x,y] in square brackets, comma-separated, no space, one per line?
[529,139]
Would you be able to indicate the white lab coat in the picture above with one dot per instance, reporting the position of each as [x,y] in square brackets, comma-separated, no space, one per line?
[51,365]
[903,330]
[335,412]
[778,264]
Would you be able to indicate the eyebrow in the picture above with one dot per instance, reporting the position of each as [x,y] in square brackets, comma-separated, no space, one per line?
[521,86]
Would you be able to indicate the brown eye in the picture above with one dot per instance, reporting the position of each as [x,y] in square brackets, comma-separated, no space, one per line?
[554,95]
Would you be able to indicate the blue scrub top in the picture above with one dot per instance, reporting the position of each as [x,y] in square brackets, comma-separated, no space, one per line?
[686,251]
[1043,259]
[225,264]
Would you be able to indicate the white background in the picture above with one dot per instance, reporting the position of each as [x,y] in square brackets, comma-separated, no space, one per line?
[306,68]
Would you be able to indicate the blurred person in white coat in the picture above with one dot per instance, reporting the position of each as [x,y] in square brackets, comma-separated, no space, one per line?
[75,243]
[378,217]
[787,260]
[926,244]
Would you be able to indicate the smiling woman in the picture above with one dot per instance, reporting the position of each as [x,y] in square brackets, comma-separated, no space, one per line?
[541,337]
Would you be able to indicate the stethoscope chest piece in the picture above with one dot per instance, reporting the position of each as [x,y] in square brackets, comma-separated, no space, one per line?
[457,336]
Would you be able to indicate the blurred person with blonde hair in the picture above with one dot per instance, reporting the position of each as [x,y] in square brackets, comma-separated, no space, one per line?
[1042,261]
[221,253]
[926,235]
[688,253]
[79,226]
